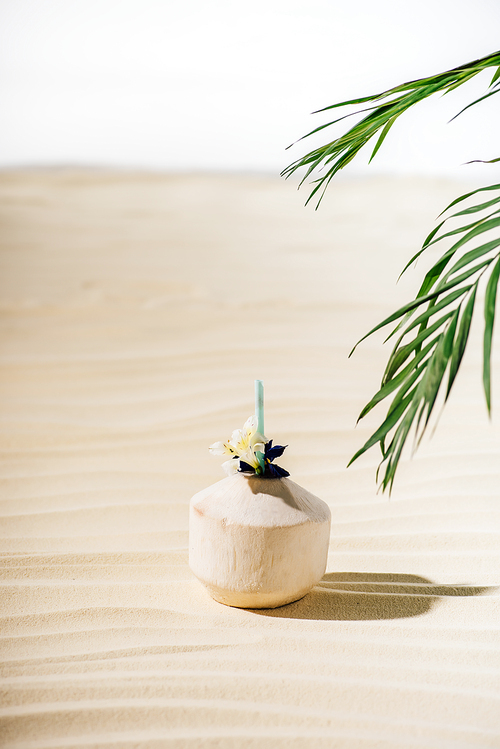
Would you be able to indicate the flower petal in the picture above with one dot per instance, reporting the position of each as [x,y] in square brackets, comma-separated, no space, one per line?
[257,437]
[231,466]
[245,467]
[239,440]
[219,448]
[276,471]
[249,457]
[275,452]
[250,425]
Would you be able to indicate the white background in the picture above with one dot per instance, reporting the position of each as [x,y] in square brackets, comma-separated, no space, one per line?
[227,85]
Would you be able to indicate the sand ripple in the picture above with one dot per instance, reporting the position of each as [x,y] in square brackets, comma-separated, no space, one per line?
[137,310]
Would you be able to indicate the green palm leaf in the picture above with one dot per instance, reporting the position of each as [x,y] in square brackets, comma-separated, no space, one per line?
[445,307]
[489,319]
[388,106]
[433,329]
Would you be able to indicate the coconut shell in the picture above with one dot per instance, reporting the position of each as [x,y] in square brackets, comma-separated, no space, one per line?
[258,542]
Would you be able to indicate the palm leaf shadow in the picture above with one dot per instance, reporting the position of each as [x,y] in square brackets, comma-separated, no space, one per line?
[361,596]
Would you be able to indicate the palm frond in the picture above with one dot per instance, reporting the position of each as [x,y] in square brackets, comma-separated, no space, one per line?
[432,331]
[386,108]
[432,342]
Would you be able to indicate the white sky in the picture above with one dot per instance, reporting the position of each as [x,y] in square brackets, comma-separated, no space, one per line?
[226,85]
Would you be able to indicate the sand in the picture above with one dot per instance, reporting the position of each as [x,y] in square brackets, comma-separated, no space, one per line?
[137,309]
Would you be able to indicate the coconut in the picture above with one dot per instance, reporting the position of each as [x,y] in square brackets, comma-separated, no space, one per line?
[258,542]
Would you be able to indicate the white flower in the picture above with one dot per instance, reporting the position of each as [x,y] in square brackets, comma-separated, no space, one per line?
[243,445]
[231,466]
[222,448]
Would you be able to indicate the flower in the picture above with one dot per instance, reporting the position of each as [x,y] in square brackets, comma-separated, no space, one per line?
[250,452]
[270,454]
[244,444]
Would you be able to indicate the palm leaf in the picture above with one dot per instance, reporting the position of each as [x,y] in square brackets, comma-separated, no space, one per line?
[460,342]
[489,319]
[386,107]
[433,329]
[445,317]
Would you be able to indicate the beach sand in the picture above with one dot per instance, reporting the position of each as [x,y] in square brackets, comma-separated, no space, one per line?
[137,310]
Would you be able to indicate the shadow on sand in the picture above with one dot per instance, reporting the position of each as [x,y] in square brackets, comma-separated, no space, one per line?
[358,596]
